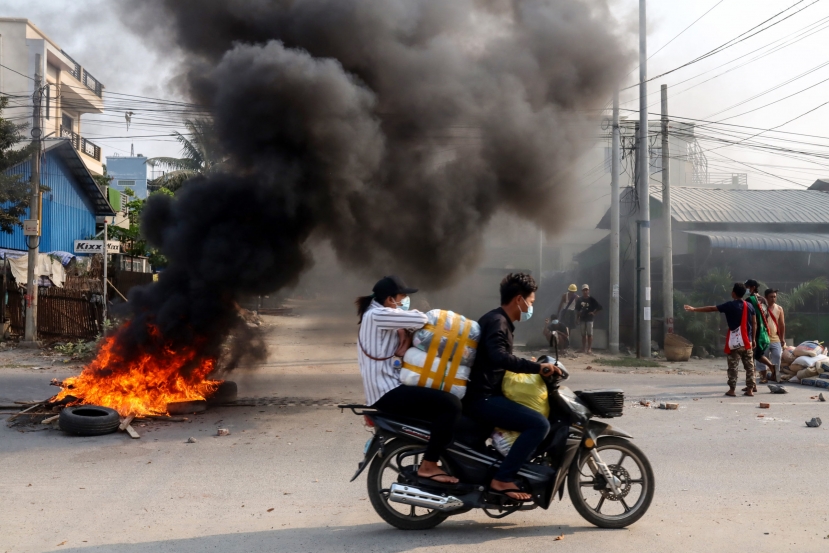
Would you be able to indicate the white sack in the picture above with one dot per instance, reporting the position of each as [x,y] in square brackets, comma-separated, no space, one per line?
[417,358]
[422,339]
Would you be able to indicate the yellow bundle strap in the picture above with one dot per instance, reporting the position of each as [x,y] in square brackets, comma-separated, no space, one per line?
[451,378]
[471,343]
[443,379]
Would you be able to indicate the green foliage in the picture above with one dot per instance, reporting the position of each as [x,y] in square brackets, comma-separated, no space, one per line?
[14,191]
[78,349]
[201,156]
[131,238]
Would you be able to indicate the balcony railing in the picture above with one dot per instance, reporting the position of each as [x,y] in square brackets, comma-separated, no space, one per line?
[83,75]
[76,70]
[93,84]
[82,144]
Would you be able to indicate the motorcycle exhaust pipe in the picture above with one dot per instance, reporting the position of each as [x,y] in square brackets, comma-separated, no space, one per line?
[409,495]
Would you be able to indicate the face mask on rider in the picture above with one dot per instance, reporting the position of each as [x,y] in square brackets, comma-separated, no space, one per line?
[404,303]
[526,315]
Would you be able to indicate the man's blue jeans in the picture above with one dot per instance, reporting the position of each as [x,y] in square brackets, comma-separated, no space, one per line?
[503,413]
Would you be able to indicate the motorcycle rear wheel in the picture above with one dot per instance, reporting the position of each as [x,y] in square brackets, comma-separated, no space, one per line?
[636,474]
[382,472]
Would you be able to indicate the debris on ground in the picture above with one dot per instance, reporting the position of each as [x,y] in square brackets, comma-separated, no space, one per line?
[814,423]
[669,406]
[644,403]
[765,405]
[223,432]
[821,398]
[776,389]
[190,440]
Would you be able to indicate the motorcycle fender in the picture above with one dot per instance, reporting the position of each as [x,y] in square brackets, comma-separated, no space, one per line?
[373,447]
[597,429]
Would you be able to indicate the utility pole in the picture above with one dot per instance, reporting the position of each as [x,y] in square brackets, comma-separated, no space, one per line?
[540,254]
[613,339]
[644,222]
[30,326]
[106,255]
[668,251]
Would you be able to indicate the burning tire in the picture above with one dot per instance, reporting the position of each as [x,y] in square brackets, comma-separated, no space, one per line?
[89,420]
[227,392]
[186,407]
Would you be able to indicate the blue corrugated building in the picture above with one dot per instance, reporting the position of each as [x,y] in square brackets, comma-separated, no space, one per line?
[71,204]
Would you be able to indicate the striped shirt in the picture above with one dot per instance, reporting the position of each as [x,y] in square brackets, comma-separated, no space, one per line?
[378,335]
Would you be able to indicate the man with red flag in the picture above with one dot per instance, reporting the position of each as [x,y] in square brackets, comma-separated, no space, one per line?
[740,340]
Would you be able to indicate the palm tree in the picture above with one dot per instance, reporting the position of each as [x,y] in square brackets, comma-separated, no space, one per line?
[201,156]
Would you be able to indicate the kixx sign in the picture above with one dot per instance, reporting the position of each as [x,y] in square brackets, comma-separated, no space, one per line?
[97,246]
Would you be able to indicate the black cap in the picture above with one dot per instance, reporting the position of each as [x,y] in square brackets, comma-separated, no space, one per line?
[751,282]
[391,286]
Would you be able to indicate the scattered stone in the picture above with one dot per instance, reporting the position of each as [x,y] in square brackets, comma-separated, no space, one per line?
[669,406]
[760,416]
[644,403]
[814,423]
[190,440]
[223,432]
[765,405]
[589,368]
[777,389]
[821,398]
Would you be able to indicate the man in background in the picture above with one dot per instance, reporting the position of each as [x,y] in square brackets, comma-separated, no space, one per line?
[777,332]
[586,310]
[566,312]
[739,343]
[761,317]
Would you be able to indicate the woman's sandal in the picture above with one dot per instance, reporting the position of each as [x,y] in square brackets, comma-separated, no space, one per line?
[503,493]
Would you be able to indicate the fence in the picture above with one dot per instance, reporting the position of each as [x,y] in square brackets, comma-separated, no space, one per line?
[61,314]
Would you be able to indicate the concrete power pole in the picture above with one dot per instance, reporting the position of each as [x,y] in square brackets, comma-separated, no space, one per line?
[613,339]
[668,251]
[30,326]
[644,269]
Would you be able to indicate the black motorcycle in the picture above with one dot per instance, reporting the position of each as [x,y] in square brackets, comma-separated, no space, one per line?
[609,479]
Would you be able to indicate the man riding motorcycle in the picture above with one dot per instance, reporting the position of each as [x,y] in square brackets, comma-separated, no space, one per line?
[485,401]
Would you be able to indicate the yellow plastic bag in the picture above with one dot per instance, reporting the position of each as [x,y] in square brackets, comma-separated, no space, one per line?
[529,390]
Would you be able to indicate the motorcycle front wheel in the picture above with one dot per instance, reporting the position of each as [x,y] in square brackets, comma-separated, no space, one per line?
[593,497]
[383,472]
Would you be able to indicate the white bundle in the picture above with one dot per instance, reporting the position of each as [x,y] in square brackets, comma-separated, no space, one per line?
[422,339]
[413,363]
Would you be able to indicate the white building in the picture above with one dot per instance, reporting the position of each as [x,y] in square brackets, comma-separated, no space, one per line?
[128,172]
[71,91]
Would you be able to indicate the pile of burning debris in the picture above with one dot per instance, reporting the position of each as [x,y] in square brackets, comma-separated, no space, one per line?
[76,416]
[115,389]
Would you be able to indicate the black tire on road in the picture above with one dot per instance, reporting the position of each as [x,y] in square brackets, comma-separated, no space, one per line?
[386,464]
[638,510]
[186,407]
[89,420]
[227,392]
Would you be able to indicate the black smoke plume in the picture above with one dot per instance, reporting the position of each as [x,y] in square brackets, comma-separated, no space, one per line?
[393,128]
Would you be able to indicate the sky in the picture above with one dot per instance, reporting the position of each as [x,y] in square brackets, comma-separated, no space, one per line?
[791,56]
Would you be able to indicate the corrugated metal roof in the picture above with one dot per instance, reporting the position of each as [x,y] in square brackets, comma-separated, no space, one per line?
[767,241]
[711,205]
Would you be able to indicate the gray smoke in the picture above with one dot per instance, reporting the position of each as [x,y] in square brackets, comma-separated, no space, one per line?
[395,129]
[402,126]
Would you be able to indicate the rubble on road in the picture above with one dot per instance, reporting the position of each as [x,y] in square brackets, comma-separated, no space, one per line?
[814,423]
[765,405]
[669,406]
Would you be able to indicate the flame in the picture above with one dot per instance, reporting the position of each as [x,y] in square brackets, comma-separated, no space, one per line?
[145,384]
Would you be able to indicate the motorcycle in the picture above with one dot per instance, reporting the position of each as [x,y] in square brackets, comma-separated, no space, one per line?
[605,490]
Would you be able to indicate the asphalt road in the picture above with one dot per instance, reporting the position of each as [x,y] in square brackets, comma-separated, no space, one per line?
[725,477]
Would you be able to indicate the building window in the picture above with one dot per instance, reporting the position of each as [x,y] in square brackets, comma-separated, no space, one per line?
[126,183]
[67,123]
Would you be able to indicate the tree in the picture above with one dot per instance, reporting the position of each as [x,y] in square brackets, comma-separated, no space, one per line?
[15,192]
[201,156]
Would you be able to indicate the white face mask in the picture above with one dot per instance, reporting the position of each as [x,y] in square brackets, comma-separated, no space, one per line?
[404,303]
